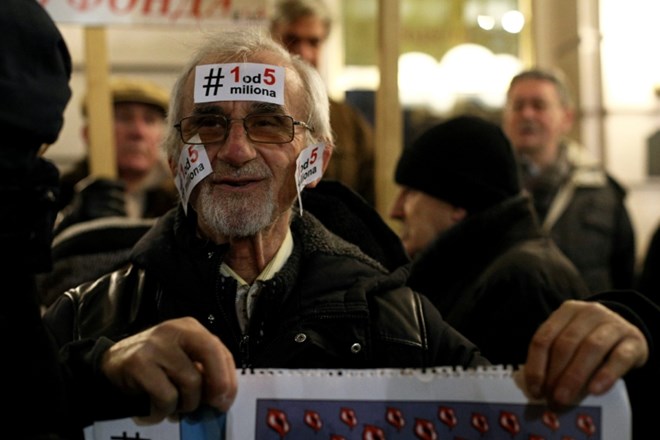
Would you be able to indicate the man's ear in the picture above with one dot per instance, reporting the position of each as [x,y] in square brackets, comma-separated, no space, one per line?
[327,154]
[172,164]
[84,133]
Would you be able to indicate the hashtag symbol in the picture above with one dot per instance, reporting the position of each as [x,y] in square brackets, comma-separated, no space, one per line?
[213,82]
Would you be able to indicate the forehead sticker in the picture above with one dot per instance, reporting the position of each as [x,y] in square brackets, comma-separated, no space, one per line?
[239,82]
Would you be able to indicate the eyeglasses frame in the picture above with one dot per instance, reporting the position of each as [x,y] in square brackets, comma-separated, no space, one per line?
[246,131]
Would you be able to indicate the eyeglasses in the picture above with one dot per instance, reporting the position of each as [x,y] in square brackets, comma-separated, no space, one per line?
[262,128]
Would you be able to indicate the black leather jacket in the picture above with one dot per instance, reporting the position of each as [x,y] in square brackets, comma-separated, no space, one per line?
[330,306]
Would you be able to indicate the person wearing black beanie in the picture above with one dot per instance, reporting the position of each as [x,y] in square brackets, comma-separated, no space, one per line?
[477,249]
[466,161]
[481,257]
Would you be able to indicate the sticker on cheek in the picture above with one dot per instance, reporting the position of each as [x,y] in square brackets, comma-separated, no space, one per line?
[239,82]
[309,168]
[193,166]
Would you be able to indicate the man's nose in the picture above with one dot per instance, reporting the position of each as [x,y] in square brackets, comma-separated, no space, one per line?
[237,148]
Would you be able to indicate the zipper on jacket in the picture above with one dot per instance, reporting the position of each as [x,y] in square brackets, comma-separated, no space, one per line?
[242,340]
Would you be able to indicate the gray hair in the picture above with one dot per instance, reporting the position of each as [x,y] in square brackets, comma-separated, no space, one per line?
[290,11]
[555,77]
[239,45]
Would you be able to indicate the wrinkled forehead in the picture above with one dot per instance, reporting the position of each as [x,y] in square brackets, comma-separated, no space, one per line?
[293,87]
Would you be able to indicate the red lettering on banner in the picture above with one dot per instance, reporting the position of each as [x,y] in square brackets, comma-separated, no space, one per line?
[196,11]
[84,5]
[153,11]
[164,6]
[118,9]
[225,7]
[195,7]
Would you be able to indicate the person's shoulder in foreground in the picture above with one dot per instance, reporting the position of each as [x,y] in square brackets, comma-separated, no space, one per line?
[35,68]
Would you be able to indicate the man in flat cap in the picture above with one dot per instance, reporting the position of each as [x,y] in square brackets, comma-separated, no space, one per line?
[144,188]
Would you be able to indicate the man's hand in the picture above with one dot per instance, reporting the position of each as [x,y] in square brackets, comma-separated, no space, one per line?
[583,347]
[178,363]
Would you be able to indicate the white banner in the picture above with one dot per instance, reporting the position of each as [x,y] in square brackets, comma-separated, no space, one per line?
[163,12]
[485,404]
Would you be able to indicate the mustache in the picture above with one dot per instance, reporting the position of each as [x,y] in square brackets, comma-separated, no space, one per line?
[527,125]
[249,170]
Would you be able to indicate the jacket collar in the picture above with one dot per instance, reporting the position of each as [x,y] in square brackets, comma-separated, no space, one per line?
[473,243]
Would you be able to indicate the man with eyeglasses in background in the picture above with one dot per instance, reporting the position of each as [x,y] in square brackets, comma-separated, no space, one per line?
[303,27]
[249,130]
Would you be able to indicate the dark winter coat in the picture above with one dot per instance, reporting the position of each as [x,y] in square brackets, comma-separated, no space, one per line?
[585,213]
[331,306]
[496,278]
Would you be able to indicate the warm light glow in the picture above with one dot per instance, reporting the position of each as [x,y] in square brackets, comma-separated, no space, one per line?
[486,22]
[513,21]
[466,66]
[418,73]
[504,67]
[467,71]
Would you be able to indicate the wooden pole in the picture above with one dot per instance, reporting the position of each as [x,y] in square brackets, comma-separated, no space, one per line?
[101,148]
[388,121]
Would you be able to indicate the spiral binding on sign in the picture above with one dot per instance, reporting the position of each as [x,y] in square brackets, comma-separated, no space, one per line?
[490,371]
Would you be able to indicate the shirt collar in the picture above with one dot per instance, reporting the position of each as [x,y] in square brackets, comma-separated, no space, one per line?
[275,264]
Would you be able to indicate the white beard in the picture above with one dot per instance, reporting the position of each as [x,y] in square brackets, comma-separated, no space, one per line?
[236,215]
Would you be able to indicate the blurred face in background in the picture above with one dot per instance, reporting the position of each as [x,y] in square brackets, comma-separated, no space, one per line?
[424,217]
[304,37]
[535,119]
[139,129]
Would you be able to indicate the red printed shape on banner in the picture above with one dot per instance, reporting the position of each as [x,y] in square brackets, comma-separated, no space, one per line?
[535,437]
[509,422]
[447,416]
[347,415]
[394,417]
[424,430]
[313,420]
[337,437]
[586,424]
[480,423]
[372,432]
[277,421]
[550,420]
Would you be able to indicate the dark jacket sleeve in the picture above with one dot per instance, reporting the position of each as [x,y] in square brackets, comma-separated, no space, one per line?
[95,397]
[108,306]
[649,280]
[78,321]
[623,251]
